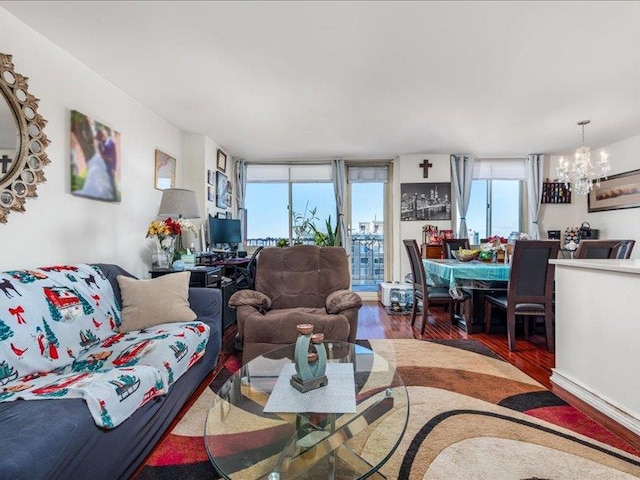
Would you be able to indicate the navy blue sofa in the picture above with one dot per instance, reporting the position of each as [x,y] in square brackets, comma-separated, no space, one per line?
[51,439]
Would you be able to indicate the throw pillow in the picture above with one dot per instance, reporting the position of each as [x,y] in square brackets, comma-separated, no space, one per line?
[146,303]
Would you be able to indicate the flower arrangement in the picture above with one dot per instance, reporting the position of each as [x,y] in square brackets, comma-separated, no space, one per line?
[169,226]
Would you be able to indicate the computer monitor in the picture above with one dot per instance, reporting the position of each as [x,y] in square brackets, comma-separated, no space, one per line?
[224,230]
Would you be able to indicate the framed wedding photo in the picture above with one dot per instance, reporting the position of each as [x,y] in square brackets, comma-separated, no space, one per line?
[222,161]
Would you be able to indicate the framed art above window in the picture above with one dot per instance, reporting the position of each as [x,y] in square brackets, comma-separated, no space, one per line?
[222,161]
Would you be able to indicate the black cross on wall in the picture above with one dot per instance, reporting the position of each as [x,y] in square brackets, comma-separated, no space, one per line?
[426,165]
[5,161]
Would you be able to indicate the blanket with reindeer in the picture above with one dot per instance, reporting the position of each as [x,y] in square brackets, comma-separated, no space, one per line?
[59,338]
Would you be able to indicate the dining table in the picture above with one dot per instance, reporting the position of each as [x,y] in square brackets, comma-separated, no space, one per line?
[477,276]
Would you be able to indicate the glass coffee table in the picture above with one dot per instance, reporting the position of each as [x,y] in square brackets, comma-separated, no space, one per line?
[245,442]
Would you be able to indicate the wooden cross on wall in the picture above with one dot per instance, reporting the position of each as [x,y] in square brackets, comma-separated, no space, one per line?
[426,165]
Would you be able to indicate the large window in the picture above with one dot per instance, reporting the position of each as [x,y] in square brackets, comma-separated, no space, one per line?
[496,197]
[279,196]
[494,208]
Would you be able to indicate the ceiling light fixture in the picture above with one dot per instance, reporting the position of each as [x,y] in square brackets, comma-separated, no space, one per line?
[580,172]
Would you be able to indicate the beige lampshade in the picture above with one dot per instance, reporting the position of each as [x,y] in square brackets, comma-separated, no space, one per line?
[179,202]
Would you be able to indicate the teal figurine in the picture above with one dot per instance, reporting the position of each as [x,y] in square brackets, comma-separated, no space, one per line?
[310,360]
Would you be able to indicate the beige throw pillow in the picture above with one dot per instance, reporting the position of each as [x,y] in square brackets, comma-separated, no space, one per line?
[146,303]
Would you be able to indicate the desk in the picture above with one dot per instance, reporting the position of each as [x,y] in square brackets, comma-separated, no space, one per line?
[481,277]
[207,277]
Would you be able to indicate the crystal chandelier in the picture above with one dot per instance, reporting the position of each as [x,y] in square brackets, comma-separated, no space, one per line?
[580,172]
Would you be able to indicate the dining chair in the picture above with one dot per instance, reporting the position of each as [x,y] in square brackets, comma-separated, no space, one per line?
[450,245]
[245,276]
[425,294]
[624,249]
[530,289]
[596,249]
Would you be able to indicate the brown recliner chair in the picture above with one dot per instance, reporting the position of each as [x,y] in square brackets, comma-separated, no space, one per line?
[295,285]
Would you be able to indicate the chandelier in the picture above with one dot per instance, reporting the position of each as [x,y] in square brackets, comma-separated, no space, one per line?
[581,173]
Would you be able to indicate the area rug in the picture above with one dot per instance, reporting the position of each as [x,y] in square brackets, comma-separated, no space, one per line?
[472,416]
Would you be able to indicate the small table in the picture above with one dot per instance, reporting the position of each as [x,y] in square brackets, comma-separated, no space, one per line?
[244,442]
[207,277]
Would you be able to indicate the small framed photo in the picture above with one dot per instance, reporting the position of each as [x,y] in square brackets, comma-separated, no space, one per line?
[165,169]
[222,161]
[211,177]
[229,215]
[221,190]
[211,194]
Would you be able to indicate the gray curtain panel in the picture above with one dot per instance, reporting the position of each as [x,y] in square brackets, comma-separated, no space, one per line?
[241,185]
[339,185]
[462,174]
[534,164]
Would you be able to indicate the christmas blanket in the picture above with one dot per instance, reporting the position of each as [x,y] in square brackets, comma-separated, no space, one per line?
[59,339]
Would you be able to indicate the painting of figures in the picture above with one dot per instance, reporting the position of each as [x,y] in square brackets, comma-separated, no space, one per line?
[95,159]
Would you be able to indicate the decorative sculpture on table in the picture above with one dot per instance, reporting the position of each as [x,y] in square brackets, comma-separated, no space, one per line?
[310,360]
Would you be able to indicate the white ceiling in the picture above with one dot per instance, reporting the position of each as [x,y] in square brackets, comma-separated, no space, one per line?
[366,79]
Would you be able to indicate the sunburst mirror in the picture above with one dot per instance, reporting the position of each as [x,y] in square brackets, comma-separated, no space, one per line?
[22,141]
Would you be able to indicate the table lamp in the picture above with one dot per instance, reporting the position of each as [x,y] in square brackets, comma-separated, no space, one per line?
[179,203]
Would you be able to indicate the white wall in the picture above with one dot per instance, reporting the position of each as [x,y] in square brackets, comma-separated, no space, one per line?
[58,227]
[407,170]
[612,224]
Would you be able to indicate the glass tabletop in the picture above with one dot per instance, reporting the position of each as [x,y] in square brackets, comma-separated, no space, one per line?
[245,442]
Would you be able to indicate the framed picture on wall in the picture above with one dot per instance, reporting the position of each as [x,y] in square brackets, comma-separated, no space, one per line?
[425,201]
[221,190]
[616,192]
[222,161]
[211,177]
[165,176]
[95,159]
[211,194]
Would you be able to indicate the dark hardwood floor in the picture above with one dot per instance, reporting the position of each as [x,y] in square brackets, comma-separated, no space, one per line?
[531,354]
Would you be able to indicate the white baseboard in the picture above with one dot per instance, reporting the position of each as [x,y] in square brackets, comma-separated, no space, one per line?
[600,404]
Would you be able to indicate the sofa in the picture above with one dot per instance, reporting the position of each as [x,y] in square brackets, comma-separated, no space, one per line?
[158,366]
[295,285]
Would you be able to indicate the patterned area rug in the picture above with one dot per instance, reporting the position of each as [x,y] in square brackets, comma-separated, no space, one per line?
[472,416]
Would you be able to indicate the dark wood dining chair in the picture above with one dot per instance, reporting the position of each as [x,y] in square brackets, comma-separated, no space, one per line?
[594,249]
[429,295]
[530,289]
[450,245]
[624,249]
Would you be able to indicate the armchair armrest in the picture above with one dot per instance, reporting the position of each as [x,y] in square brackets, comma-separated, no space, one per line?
[250,298]
[342,300]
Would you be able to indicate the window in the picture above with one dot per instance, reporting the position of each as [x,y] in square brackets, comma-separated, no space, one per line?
[276,191]
[496,197]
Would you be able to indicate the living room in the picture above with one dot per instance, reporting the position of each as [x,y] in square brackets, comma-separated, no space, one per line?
[60,228]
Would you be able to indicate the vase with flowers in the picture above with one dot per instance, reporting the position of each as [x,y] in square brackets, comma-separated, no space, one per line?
[166,233]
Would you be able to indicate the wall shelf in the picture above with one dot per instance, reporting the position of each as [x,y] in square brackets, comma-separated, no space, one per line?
[556,192]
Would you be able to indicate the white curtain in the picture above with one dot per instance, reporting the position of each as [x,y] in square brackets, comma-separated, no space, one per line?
[462,174]
[241,186]
[534,165]
[339,186]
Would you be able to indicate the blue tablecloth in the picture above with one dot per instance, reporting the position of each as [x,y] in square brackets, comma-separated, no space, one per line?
[455,274]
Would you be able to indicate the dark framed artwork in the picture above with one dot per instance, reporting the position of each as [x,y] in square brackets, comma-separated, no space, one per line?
[95,159]
[211,194]
[165,171]
[221,190]
[616,192]
[229,215]
[211,177]
[425,201]
[221,161]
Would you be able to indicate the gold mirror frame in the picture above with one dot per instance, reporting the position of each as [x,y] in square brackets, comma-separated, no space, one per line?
[26,170]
